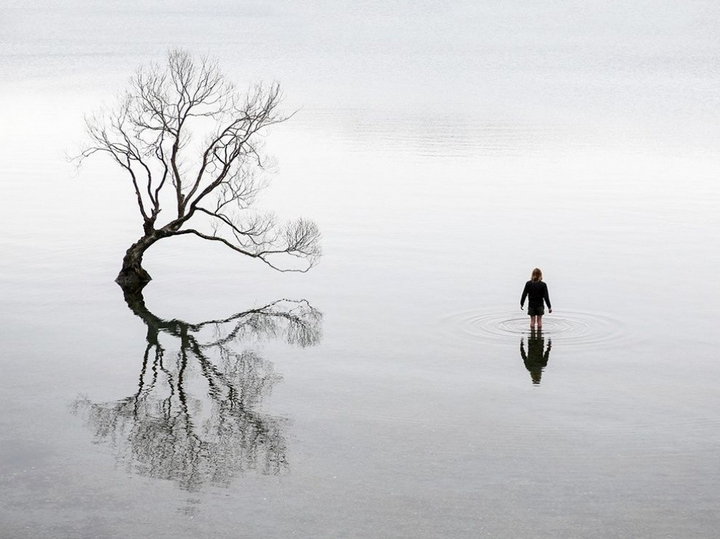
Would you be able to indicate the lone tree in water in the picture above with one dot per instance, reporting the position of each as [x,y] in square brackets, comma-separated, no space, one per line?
[191,144]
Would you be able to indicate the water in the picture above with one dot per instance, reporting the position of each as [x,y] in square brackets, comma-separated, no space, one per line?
[444,152]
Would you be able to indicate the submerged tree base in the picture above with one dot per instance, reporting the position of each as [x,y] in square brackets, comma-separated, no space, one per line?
[133,279]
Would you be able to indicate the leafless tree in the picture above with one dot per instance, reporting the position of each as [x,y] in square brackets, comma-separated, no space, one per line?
[191,144]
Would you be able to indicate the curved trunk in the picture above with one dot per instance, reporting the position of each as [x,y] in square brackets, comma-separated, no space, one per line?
[132,276]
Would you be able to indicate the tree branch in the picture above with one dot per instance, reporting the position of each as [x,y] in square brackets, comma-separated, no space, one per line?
[153,135]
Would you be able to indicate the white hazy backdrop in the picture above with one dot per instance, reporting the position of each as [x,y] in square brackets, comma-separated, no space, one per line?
[444,150]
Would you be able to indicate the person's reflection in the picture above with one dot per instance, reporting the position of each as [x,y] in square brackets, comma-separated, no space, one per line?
[194,418]
[536,358]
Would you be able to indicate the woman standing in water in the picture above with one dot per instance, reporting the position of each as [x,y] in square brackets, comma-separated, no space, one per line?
[538,292]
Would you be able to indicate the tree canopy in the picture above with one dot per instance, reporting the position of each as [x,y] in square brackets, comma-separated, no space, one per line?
[191,144]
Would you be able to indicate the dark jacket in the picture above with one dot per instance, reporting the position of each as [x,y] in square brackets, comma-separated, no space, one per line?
[537,292]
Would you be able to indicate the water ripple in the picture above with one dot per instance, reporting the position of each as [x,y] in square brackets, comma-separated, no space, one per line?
[570,327]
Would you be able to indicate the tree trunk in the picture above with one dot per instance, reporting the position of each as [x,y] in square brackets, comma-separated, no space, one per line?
[132,276]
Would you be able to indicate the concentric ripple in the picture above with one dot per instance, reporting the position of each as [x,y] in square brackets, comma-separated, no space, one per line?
[571,327]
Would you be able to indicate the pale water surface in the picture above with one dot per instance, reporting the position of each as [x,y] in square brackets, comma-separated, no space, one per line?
[445,151]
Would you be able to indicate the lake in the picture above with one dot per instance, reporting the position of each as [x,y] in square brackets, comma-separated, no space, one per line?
[395,390]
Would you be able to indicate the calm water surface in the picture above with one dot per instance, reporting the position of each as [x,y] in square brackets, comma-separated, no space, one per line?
[395,390]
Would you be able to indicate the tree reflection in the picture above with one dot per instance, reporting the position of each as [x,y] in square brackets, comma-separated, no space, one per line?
[195,417]
[537,357]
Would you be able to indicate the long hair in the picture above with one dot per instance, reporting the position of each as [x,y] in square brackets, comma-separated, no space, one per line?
[536,275]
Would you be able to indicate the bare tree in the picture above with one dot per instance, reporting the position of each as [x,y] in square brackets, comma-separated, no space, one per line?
[191,144]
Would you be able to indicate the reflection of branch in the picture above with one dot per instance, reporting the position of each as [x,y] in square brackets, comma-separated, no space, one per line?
[163,432]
